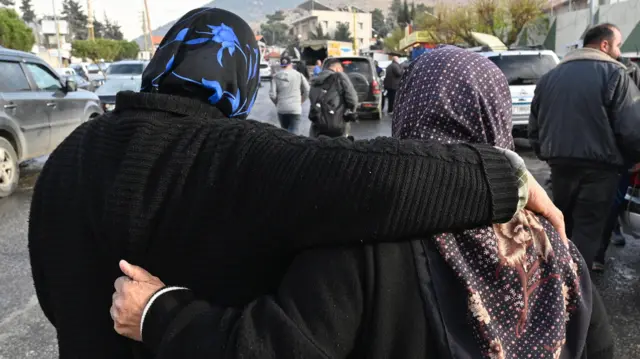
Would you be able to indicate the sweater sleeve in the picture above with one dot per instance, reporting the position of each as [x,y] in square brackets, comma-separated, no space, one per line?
[314,314]
[372,191]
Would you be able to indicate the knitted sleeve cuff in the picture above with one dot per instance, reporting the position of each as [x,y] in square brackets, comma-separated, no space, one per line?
[503,172]
[160,311]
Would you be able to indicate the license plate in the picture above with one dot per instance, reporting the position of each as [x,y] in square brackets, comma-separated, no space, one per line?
[521,110]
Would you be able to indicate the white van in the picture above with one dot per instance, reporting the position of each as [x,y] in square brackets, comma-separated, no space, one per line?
[523,69]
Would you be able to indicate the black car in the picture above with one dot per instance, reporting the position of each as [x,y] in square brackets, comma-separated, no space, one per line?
[362,73]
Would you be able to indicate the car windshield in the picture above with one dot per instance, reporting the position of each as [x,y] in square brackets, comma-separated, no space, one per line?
[360,66]
[125,69]
[93,69]
[113,86]
[264,66]
[524,69]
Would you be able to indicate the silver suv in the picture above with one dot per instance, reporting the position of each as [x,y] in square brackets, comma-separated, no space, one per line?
[523,69]
[37,111]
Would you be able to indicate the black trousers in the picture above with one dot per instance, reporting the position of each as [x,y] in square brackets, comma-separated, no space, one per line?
[585,196]
[391,97]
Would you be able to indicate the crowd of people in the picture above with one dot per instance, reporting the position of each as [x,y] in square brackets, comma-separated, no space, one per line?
[226,237]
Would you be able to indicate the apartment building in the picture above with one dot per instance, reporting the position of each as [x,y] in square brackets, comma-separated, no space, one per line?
[315,14]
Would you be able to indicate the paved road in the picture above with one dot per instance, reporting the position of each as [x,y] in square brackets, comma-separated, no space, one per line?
[25,333]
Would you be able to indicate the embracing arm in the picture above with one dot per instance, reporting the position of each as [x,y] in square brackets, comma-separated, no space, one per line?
[376,190]
[314,314]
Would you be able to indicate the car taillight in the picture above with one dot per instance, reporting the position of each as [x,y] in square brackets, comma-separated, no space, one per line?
[376,87]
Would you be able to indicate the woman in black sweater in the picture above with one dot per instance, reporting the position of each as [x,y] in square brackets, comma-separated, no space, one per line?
[511,290]
[176,180]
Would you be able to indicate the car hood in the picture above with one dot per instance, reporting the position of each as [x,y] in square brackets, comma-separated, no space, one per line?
[114,85]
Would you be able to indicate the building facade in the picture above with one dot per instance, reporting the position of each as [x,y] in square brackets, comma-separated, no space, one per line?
[315,14]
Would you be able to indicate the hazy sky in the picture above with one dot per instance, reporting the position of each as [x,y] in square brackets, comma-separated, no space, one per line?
[127,12]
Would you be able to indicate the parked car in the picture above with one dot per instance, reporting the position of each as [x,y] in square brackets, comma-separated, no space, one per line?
[523,69]
[265,71]
[121,76]
[362,73]
[37,112]
[96,74]
[65,71]
[81,82]
[126,69]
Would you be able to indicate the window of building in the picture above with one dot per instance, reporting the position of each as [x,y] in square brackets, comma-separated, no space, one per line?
[326,24]
[361,40]
[361,25]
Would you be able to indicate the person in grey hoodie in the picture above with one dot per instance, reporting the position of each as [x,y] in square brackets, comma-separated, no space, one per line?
[346,96]
[289,89]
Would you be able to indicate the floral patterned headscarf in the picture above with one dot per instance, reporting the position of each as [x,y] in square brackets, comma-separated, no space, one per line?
[209,54]
[522,284]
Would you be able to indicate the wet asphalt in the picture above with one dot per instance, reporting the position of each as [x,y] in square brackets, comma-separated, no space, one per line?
[25,333]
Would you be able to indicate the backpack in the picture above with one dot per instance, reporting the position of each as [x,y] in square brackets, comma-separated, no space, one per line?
[327,110]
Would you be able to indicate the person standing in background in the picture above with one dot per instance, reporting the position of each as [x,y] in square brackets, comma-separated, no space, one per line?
[301,67]
[589,90]
[289,89]
[392,82]
[318,69]
[334,101]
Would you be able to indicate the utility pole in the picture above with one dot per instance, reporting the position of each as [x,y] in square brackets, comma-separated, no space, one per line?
[144,31]
[355,45]
[55,19]
[146,11]
[90,31]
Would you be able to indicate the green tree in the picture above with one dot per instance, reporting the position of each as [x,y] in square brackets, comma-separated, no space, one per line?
[378,23]
[96,50]
[404,17]
[505,20]
[343,33]
[14,33]
[7,3]
[395,9]
[28,15]
[413,11]
[111,29]
[392,42]
[275,31]
[319,34]
[98,28]
[128,50]
[73,13]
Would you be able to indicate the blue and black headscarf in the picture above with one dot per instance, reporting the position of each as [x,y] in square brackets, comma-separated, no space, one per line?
[209,54]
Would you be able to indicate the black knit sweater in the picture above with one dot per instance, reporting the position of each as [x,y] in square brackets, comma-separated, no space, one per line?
[221,206]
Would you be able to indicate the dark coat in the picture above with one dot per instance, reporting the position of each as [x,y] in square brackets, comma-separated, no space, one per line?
[222,206]
[584,112]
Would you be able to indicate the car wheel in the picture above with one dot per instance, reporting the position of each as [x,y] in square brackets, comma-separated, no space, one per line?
[376,116]
[9,169]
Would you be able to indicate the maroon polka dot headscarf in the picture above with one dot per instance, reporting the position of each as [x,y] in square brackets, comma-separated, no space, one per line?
[454,95]
[522,284]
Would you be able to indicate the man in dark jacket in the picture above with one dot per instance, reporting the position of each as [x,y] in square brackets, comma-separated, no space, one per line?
[612,232]
[342,98]
[392,82]
[585,122]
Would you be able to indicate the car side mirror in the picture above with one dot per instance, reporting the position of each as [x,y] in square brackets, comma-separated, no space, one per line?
[71,85]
